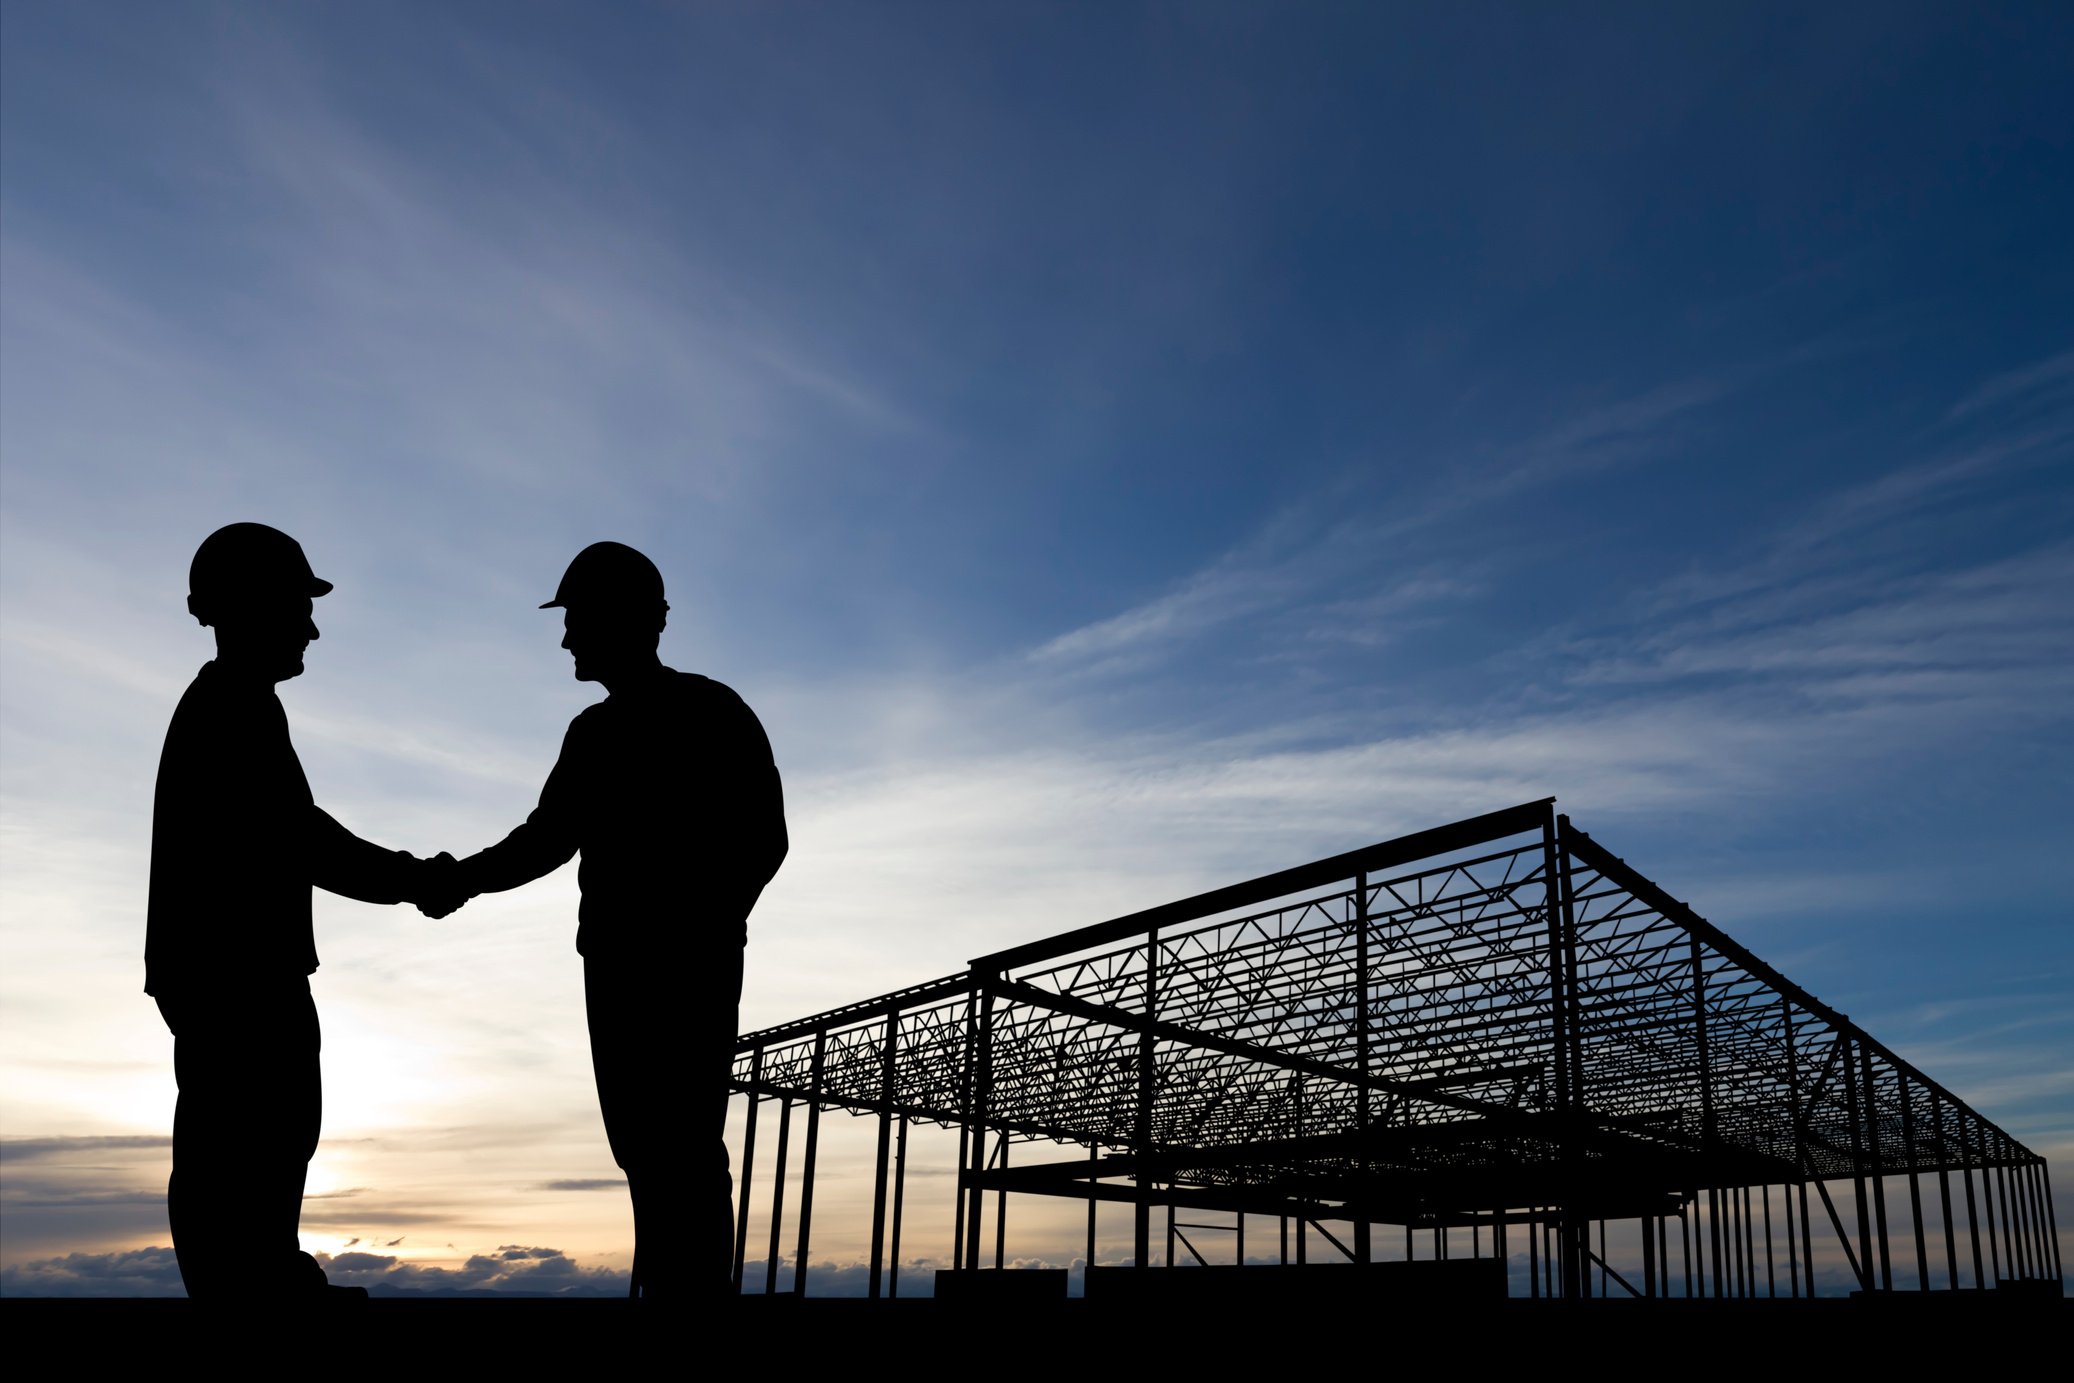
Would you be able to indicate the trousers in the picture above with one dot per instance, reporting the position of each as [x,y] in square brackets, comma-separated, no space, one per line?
[245,1127]
[661,1052]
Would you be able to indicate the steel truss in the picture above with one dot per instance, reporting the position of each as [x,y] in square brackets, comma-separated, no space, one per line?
[1494,1025]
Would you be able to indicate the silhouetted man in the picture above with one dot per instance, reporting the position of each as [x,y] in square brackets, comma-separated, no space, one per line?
[668,789]
[236,844]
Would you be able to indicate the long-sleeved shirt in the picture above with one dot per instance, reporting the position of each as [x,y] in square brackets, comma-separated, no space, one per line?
[237,842]
[668,788]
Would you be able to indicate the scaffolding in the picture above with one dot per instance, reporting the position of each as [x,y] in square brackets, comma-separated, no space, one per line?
[1495,1026]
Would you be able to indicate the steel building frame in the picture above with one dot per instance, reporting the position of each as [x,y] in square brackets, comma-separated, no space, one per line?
[1494,1025]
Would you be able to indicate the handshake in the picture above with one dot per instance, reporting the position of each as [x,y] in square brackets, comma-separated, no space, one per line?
[441,886]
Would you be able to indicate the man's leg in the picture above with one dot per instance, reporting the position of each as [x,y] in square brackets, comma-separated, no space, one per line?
[244,1129]
[653,1049]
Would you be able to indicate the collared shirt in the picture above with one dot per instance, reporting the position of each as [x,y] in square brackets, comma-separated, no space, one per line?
[237,842]
[668,789]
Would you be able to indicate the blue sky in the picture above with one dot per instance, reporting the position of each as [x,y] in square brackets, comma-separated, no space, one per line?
[1117,449]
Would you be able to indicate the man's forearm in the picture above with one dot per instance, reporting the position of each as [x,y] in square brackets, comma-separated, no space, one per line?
[343,863]
[521,857]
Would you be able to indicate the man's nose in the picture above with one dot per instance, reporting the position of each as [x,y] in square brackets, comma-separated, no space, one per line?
[312,630]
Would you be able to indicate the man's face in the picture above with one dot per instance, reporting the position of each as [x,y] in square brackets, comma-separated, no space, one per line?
[604,641]
[268,635]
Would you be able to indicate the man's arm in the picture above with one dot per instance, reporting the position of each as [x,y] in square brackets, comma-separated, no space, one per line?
[343,863]
[544,841]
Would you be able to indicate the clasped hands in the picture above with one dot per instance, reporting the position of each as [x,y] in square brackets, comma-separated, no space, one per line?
[442,886]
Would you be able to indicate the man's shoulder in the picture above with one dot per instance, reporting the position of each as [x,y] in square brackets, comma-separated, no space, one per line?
[212,701]
[697,687]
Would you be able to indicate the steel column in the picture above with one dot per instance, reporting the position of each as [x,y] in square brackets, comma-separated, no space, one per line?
[806,1167]
[884,1159]
[1915,1190]
[770,1260]
[748,1172]
[899,1195]
[1362,1252]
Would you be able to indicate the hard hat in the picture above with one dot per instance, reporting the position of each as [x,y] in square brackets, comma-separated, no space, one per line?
[609,574]
[250,559]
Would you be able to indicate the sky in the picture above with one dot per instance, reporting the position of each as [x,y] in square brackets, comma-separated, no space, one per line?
[1117,450]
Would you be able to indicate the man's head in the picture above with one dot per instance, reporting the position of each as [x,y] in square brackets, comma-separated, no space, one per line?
[254,587]
[613,611]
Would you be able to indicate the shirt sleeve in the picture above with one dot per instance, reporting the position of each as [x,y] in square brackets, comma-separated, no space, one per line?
[343,863]
[544,841]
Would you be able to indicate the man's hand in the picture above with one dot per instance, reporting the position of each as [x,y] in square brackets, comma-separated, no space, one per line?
[443,890]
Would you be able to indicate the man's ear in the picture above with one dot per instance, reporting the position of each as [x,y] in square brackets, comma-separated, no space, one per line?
[195,608]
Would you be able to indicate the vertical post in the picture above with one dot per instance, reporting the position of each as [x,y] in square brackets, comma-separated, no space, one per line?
[2052,1219]
[748,1171]
[770,1259]
[1944,1194]
[1562,973]
[1648,1256]
[1303,1234]
[899,1196]
[1706,1079]
[1094,1200]
[885,1158]
[1771,1281]
[982,1095]
[1980,1281]
[1533,1253]
[1142,1211]
[2036,1177]
[1800,1155]
[2002,1196]
[1865,1278]
[2023,1218]
[1285,1239]
[1915,1190]
[1807,1234]
[1170,1225]
[1987,1196]
[965,1092]
[1792,1242]
[1501,1246]
[1685,1238]
[1001,1205]
[958,1193]
[806,1166]
[1739,1222]
[2018,1179]
[1362,1253]
[1879,1166]
[1749,1245]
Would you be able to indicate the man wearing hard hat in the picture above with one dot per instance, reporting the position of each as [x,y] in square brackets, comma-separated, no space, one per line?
[236,844]
[668,789]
